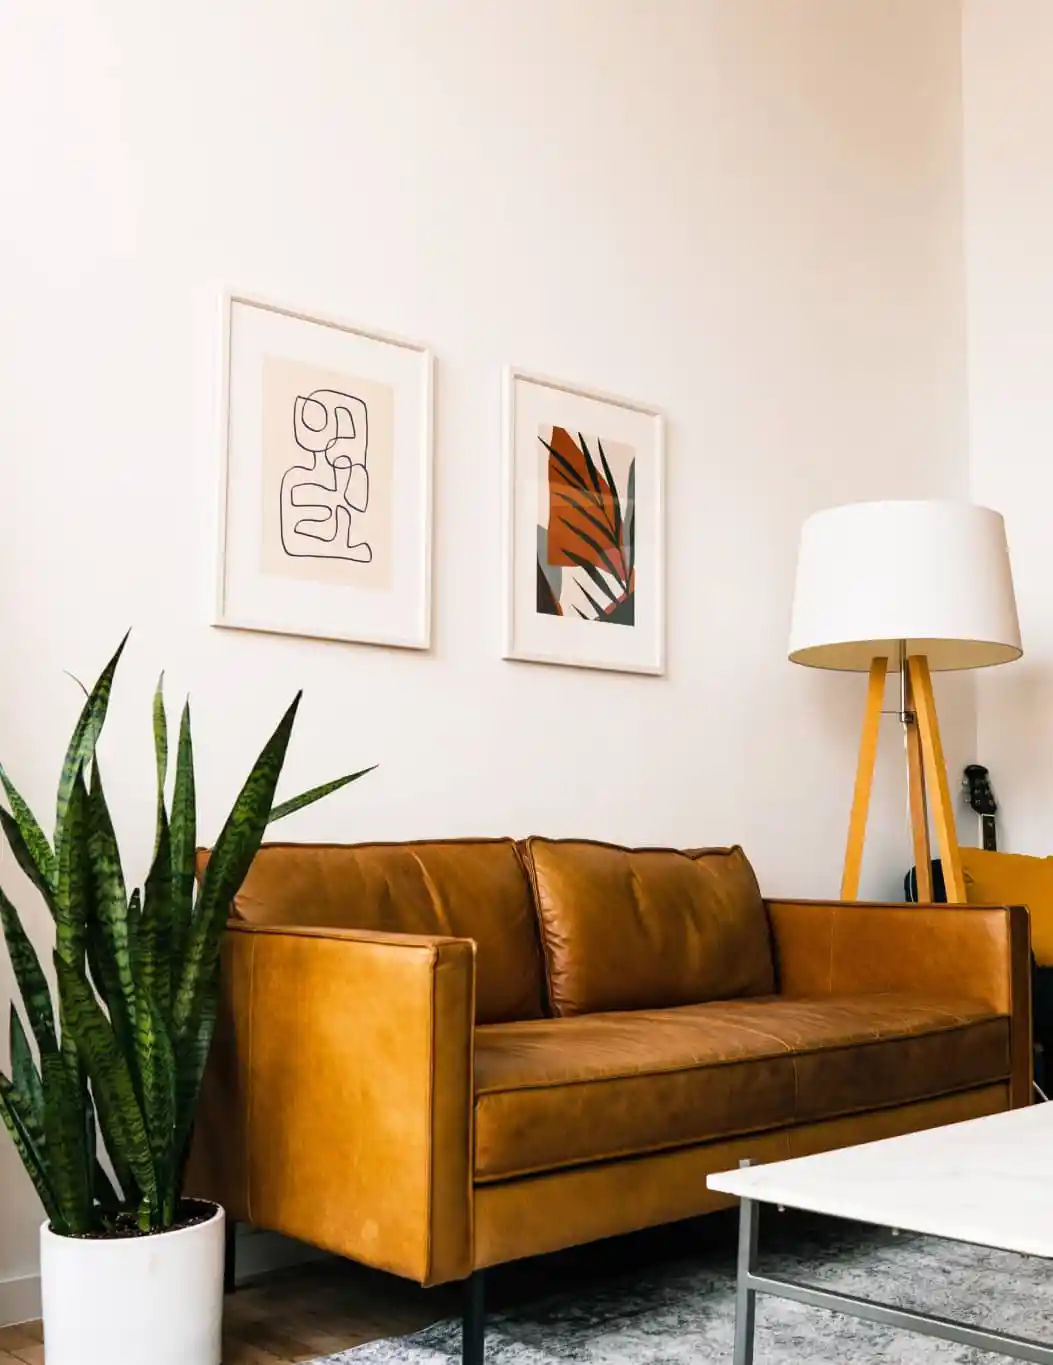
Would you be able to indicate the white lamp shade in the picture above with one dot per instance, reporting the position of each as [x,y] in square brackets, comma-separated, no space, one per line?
[935,575]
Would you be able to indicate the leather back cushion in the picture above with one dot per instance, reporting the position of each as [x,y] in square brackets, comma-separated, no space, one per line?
[629,929]
[466,888]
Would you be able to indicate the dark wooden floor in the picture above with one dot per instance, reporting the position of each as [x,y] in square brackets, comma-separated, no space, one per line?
[318,1309]
[295,1315]
[328,1306]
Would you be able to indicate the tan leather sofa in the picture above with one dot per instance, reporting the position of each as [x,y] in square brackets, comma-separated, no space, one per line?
[440,1056]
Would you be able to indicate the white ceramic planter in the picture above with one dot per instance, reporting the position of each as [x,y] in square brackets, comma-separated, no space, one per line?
[133,1300]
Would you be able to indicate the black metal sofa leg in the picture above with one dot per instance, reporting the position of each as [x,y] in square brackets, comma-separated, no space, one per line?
[474,1321]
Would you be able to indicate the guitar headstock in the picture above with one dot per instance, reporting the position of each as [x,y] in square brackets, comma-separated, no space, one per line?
[978,783]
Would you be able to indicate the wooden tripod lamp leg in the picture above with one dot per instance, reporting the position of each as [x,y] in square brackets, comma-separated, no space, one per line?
[857,825]
[919,808]
[935,770]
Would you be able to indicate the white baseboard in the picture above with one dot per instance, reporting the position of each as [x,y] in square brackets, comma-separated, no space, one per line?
[19,1300]
[257,1253]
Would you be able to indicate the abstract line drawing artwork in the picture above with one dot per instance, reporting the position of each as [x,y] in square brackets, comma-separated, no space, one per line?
[323,504]
[325,457]
[586,534]
[328,466]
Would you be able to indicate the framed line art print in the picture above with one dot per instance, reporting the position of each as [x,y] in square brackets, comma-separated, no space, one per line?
[325,483]
[584,527]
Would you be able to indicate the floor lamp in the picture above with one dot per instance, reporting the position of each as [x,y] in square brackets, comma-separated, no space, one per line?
[920,587]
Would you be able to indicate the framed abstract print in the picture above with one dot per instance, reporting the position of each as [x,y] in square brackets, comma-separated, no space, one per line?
[325,488]
[584,528]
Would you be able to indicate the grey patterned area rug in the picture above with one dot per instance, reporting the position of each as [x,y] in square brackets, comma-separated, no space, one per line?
[684,1311]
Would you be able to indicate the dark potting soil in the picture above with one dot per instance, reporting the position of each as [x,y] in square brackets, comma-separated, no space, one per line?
[192,1212]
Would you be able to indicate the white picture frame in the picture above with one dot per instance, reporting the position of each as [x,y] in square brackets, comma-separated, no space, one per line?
[589,615]
[312,543]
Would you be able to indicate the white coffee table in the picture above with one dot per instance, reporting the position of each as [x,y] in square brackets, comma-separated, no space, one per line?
[988,1181]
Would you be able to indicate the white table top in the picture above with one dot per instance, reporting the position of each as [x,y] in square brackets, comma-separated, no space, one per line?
[988,1181]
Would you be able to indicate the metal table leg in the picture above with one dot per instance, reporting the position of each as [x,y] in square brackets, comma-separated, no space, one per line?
[746,1295]
[749,1284]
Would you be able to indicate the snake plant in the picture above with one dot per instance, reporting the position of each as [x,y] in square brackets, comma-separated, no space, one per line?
[122,1052]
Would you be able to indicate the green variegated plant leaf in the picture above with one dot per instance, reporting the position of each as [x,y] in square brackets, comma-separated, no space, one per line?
[160,740]
[153,960]
[138,977]
[35,838]
[72,908]
[157,1066]
[183,836]
[33,842]
[130,1194]
[91,1129]
[24,858]
[109,897]
[111,1081]
[308,798]
[190,1063]
[105,1193]
[66,1150]
[135,922]
[84,738]
[107,984]
[231,858]
[72,888]
[26,1078]
[32,1157]
[32,983]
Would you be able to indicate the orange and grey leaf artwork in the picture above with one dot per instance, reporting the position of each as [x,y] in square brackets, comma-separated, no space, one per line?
[322,504]
[586,533]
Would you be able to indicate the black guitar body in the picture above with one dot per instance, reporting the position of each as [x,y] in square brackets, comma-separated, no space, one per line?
[939,888]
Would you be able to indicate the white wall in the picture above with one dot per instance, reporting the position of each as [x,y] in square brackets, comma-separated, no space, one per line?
[744,211]
[1008,57]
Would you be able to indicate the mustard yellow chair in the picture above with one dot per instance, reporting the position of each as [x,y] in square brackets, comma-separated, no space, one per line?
[1017,879]
[1014,879]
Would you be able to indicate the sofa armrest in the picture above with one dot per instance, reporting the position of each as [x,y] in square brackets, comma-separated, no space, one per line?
[337,1106]
[981,953]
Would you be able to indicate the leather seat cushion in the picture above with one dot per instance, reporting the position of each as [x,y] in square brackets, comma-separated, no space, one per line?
[647,928]
[467,888]
[560,1092]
